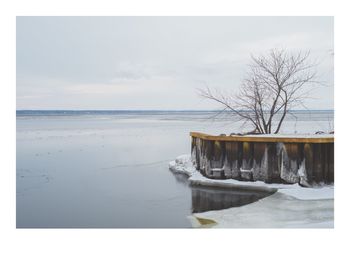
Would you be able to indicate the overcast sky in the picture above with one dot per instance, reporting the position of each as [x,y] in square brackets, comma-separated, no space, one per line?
[155,62]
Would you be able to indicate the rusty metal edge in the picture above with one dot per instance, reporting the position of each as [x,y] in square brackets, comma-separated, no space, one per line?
[262,139]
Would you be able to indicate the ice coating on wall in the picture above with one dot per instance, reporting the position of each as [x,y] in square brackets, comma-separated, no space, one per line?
[271,162]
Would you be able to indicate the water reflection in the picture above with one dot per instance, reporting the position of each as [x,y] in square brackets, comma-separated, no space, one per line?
[214,198]
[181,178]
[206,199]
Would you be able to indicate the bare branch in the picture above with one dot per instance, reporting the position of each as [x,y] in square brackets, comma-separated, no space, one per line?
[275,83]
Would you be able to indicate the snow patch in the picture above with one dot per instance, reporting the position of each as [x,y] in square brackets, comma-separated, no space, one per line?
[325,192]
[182,164]
[275,211]
[294,135]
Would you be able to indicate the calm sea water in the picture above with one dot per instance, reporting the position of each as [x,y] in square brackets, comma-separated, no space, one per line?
[110,168]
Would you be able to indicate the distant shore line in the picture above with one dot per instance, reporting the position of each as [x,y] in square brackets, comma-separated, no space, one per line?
[126,111]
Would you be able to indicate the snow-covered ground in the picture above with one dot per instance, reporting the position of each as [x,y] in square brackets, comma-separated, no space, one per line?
[291,206]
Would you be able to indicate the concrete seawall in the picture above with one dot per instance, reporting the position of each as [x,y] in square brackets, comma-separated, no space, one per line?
[306,160]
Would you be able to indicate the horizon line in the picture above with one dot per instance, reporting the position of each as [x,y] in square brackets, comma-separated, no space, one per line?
[152,110]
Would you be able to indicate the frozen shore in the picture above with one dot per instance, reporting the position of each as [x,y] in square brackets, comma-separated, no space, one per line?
[290,206]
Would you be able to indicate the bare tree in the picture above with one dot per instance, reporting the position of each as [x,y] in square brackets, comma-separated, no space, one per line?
[275,83]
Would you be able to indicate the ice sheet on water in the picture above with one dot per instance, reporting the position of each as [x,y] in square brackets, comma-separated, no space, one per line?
[292,206]
[275,211]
